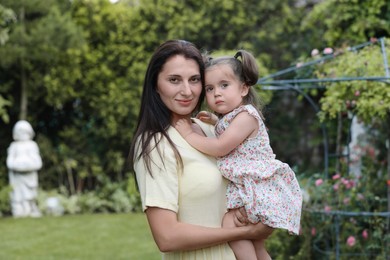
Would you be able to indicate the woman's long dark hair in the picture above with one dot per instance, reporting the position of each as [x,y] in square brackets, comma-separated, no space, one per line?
[154,117]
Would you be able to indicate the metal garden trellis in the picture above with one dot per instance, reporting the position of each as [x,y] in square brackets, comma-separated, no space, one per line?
[270,83]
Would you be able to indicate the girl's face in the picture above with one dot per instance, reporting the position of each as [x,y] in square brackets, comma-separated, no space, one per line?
[224,91]
[179,86]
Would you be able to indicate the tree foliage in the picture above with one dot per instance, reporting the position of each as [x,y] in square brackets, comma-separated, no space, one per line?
[83,61]
[349,22]
[366,98]
[7,17]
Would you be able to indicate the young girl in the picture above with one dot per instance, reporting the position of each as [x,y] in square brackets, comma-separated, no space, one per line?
[265,186]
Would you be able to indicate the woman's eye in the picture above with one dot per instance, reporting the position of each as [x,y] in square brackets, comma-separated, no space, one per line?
[209,89]
[173,80]
[195,79]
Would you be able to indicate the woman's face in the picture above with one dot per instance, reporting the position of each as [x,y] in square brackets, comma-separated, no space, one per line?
[179,86]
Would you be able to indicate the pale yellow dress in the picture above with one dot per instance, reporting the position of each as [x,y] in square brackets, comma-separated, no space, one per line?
[197,195]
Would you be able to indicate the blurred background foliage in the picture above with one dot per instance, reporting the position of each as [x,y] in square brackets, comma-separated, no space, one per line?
[74,70]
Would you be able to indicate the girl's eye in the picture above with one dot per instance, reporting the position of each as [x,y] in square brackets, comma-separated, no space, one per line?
[209,89]
[224,85]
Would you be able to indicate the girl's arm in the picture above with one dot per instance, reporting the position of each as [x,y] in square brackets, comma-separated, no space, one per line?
[242,127]
[172,235]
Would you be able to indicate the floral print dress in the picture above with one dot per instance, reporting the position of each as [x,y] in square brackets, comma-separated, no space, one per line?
[265,186]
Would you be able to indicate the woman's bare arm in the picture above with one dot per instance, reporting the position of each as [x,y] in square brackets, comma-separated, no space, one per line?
[172,235]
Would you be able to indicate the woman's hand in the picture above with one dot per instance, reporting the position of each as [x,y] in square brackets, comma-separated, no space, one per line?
[260,230]
[255,231]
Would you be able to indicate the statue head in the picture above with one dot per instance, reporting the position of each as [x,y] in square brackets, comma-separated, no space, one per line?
[22,131]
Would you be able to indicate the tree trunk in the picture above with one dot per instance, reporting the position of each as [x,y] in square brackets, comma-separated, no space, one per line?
[23,92]
[69,173]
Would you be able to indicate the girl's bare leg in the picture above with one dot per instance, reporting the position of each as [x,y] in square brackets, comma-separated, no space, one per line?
[243,249]
[261,252]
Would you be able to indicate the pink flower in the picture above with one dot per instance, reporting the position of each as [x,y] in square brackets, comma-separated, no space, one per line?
[336,176]
[371,152]
[348,183]
[351,241]
[313,231]
[360,196]
[346,201]
[328,50]
[314,52]
[299,64]
[365,234]
[319,182]
[336,186]
[357,93]
[327,208]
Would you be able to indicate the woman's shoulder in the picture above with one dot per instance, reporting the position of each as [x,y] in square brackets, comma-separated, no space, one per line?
[206,128]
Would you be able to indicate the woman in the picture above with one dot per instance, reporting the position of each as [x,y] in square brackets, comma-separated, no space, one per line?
[182,191]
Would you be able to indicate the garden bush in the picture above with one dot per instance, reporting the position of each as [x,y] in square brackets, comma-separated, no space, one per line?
[112,197]
[346,214]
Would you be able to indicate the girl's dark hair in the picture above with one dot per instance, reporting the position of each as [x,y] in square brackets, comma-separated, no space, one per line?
[154,117]
[245,68]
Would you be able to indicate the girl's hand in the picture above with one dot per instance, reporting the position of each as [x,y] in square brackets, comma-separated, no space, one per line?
[240,217]
[184,127]
[207,117]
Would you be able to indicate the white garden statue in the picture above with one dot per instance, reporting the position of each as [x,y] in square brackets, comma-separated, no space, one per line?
[23,162]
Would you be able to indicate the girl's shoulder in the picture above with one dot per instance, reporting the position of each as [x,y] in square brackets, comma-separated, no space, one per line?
[247,108]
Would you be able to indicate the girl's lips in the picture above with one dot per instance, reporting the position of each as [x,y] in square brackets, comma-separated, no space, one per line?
[218,102]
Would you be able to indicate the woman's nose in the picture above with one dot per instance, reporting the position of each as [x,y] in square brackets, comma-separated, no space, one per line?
[185,89]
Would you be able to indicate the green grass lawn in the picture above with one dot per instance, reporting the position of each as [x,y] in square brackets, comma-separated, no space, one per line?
[97,236]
